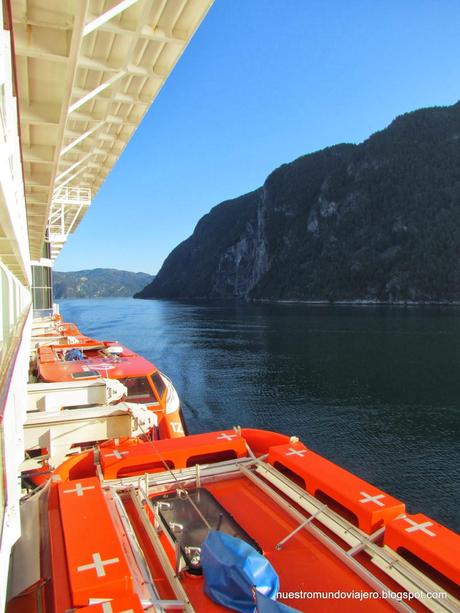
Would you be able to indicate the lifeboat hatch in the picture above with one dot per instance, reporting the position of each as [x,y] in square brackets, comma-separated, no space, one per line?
[85,374]
[189,515]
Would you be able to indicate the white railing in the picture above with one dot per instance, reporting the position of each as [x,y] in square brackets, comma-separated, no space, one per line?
[67,207]
[14,299]
[15,317]
[14,362]
[72,195]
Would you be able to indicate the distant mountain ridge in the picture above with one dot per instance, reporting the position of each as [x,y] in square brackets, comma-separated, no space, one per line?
[98,283]
[375,221]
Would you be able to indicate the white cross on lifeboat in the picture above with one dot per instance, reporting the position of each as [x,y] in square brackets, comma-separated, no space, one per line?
[369,498]
[415,527]
[79,489]
[116,454]
[298,452]
[98,564]
[227,437]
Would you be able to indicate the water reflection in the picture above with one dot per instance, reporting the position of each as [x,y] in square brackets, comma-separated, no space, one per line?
[374,389]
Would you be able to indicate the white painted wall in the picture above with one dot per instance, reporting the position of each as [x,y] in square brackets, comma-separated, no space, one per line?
[14,415]
[15,314]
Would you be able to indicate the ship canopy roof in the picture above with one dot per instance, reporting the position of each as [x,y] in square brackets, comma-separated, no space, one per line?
[86,72]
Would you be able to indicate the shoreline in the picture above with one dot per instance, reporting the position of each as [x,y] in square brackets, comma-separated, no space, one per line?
[358,302]
[351,302]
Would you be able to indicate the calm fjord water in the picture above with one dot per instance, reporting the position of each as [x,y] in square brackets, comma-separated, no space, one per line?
[375,389]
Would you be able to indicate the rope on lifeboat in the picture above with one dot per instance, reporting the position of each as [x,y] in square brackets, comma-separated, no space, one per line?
[181,492]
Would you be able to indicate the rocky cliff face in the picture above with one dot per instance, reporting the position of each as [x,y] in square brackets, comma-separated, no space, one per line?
[375,221]
[242,265]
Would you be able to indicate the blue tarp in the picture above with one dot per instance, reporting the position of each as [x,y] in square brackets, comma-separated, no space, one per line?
[74,354]
[232,568]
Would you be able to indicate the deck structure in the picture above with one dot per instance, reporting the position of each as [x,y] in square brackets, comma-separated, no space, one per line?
[76,79]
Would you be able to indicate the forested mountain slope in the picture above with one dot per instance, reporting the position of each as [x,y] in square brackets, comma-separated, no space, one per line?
[374,221]
[98,283]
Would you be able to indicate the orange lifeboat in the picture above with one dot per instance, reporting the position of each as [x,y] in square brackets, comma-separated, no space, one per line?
[89,359]
[125,522]
[77,358]
[366,506]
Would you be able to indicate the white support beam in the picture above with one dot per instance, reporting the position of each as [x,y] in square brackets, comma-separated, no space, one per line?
[87,117]
[38,51]
[91,63]
[107,16]
[39,155]
[37,203]
[143,71]
[111,138]
[61,21]
[98,166]
[71,178]
[68,133]
[106,152]
[81,138]
[120,121]
[76,165]
[132,98]
[120,28]
[40,113]
[94,150]
[147,32]
[95,92]
[38,180]
[159,35]
[76,152]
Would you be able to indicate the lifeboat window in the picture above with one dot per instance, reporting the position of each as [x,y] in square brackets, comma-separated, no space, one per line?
[337,507]
[36,453]
[159,384]
[151,467]
[139,389]
[211,458]
[84,468]
[182,516]
[86,374]
[290,474]
[428,570]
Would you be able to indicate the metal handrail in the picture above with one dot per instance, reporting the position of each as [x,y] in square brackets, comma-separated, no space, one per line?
[389,562]
[323,538]
[9,357]
[170,574]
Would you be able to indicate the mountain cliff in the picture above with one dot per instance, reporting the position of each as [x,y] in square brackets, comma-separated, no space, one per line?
[374,221]
[98,283]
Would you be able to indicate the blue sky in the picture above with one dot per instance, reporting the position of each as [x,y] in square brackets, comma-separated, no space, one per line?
[261,83]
